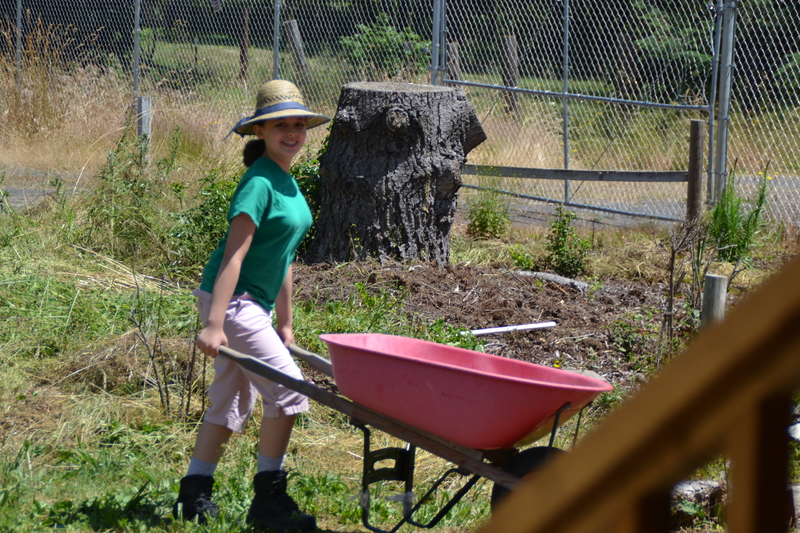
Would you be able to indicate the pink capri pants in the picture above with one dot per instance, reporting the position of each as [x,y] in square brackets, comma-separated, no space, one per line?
[248,327]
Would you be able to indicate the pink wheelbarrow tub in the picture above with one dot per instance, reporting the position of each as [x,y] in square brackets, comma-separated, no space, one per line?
[475,399]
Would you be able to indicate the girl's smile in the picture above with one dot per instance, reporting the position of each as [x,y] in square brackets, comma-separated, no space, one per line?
[283,138]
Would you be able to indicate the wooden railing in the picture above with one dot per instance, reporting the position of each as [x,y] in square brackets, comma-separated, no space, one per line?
[693,177]
[730,392]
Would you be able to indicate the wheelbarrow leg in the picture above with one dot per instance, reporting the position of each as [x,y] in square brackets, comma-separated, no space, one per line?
[402,470]
[444,510]
[555,423]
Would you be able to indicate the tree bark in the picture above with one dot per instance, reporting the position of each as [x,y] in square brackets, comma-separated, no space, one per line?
[391,172]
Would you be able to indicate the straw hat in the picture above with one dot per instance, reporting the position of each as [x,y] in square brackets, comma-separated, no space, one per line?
[278,99]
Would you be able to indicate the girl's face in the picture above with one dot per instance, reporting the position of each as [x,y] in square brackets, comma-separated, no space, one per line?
[283,137]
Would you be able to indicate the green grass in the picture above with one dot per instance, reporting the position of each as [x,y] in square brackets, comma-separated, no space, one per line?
[87,442]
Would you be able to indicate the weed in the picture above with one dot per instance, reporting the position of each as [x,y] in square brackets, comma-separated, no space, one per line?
[521,258]
[124,215]
[35,98]
[634,336]
[488,216]
[732,227]
[566,250]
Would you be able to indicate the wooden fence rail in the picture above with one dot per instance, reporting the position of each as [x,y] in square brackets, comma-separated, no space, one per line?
[693,176]
[730,392]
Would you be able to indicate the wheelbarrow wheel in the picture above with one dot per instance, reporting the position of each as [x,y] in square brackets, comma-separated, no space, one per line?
[523,465]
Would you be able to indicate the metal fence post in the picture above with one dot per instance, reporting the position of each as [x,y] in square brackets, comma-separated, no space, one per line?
[712,100]
[136,31]
[244,45]
[714,293]
[19,47]
[144,124]
[436,41]
[725,84]
[565,87]
[276,41]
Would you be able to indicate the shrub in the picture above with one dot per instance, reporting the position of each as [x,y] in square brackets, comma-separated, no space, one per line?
[566,251]
[521,258]
[308,179]
[380,52]
[198,229]
[488,216]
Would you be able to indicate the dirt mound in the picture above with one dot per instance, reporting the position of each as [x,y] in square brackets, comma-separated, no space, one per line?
[595,330]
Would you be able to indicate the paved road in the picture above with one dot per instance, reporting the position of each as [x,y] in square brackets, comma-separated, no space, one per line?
[24,189]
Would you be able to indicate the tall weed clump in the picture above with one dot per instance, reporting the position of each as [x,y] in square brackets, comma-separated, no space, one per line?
[36,96]
[199,228]
[732,226]
[728,233]
[126,215]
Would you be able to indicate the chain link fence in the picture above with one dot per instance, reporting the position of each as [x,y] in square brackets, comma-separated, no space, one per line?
[603,85]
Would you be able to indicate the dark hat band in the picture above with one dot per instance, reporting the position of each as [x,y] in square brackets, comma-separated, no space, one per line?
[282,106]
[274,108]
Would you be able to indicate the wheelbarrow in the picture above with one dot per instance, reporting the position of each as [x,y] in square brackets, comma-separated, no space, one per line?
[472,409]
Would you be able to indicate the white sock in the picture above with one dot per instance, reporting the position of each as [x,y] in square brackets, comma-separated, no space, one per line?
[269,464]
[201,468]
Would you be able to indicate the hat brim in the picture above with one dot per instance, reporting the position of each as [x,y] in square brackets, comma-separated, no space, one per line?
[312,120]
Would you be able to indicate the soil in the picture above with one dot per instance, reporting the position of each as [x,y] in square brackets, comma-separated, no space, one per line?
[588,323]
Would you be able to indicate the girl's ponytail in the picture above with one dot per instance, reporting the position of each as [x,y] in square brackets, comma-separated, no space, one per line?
[252,151]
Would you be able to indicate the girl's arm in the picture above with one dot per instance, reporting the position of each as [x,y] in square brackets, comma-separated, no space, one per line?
[240,236]
[283,308]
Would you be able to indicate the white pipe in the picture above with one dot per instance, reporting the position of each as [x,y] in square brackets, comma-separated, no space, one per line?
[506,329]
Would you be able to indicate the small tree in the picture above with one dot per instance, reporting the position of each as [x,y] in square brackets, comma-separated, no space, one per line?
[566,250]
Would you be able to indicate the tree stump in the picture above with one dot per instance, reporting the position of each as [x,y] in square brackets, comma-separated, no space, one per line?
[392,171]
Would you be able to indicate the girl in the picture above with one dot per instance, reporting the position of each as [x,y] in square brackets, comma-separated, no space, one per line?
[248,276]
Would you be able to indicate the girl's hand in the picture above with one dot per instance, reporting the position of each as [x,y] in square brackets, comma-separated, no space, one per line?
[286,335]
[210,339]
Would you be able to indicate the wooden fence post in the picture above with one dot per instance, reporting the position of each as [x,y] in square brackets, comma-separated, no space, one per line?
[244,45]
[510,72]
[453,62]
[695,183]
[144,126]
[295,41]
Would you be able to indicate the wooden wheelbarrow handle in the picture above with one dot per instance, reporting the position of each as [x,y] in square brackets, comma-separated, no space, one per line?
[317,362]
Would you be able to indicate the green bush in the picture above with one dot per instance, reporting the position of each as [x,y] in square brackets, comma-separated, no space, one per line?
[198,229]
[521,258]
[380,52]
[566,250]
[488,216]
[308,179]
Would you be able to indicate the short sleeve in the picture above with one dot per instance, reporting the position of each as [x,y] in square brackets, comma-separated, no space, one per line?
[253,198]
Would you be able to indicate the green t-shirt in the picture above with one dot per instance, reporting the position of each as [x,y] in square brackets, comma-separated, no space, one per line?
[272,199]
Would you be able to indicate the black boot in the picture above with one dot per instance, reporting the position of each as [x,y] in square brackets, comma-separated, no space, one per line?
[273,508]
[194,499]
